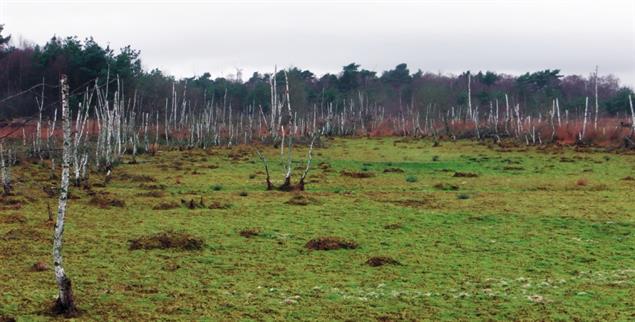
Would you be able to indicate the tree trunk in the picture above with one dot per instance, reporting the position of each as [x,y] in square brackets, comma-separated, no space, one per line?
[65,303]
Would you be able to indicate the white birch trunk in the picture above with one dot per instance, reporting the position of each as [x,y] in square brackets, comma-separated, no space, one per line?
[64,303]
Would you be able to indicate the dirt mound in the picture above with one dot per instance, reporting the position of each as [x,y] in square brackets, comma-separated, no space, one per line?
[302,200]
[152,186]
[330,243]
[24,234]
[136,177]
[166,240]
[324,165]
[446,186]
[51,191]
[39,267]
[354,174]
[249,232]
[393,170]
[381,260]
[238,155]
[152,194]
[166,205]
[105,202]
[424,202]
[582,182]
[393,226]
[7,203]
[14,219]
[218,205]
[465,175]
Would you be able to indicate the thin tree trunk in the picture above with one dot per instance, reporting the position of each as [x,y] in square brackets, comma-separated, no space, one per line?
[65,303]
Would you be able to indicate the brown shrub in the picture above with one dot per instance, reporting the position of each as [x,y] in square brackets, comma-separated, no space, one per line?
[393,170]
[166,240]
[330,243]
[582,182]
[354,174]
[381,260]
[628,178]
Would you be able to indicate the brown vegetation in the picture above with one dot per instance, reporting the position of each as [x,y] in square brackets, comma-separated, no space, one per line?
[166,240]
[249,232]
[381,260]
[105,202]
[354,174]
[302,200]
[166,205]
[330,243]
[465,175]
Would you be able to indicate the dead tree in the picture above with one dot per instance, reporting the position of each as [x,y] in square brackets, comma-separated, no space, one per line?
[65,303]
[5,171]
[287,185]
[630,103]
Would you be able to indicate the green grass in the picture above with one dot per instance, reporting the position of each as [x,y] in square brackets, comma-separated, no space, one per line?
[527,244]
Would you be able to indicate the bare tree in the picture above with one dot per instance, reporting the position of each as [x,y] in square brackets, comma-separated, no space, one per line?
[65,303]
[287,185]
[5,172]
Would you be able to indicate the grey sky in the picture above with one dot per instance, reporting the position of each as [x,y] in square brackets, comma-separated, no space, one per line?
[189,38]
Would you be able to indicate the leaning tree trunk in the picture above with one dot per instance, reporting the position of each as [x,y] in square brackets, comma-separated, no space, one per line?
[64,304]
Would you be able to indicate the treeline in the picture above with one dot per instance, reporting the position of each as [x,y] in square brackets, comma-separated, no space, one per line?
[88,64]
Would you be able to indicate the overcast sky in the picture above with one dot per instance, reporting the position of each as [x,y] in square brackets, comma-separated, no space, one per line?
[190,38]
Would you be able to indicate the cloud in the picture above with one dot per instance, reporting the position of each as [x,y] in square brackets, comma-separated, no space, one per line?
[450,36]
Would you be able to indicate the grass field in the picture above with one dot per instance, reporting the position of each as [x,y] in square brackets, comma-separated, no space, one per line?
[535,235]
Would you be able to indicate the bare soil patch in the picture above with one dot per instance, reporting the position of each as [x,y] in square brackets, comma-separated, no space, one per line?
[330,243]
[14,219]
[105,202]
[249,232]
[376,261]
[465,175]
[354,174]
[166,205]
[167,240]
[302,200]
